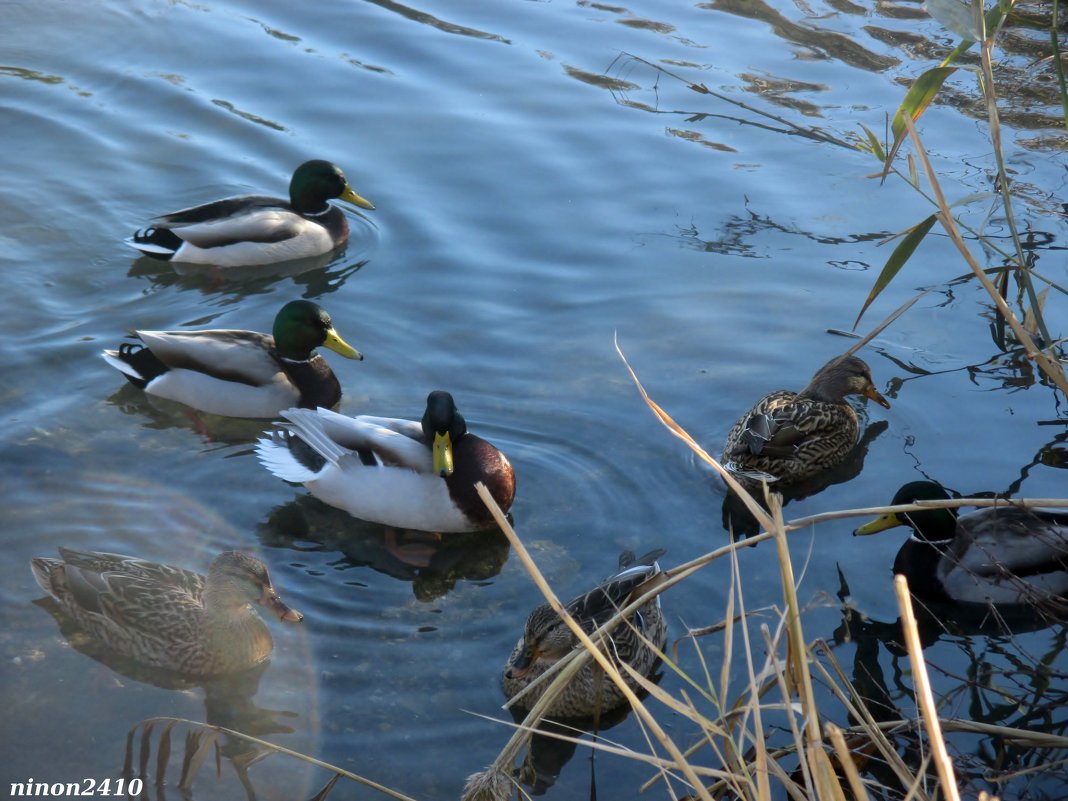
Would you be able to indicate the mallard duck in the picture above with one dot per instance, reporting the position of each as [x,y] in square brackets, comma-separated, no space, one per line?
[788,435]
[547,639]
[401,473]
[165,616]
[239,373]
[999,555]
[257,229]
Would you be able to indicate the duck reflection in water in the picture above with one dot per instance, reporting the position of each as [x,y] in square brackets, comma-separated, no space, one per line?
[433,564]
[1002,670]
[555,741]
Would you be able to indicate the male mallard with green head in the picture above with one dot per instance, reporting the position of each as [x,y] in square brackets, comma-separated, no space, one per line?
[165,616]
[239,373]
[1003,555]
[257,229]
[404,473]
[547,639]
[788,436]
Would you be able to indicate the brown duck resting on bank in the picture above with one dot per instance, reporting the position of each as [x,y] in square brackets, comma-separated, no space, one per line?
[788,436]
[165,616]
[547,639]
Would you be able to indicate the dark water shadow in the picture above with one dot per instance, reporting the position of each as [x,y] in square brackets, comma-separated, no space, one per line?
[739,521]
[160,414]
[554,743]
[433,564]
[1002,667]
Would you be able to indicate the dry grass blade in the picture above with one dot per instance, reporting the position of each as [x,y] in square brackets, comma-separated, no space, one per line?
[127,762]
[163,753]
[146,750]
[924,696]
[750,502]
[201,736]
[319,796]
[845,759]
[797,649]
[606,665]
[191,767]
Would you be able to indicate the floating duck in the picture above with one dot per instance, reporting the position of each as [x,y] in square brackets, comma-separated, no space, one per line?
[547,639]
[1000,555]
[404,473]
[788,436]
[257,229]
[165,616]
[239,373]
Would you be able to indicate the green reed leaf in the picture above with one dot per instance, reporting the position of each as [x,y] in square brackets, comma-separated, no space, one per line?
[917,99]
[901,254]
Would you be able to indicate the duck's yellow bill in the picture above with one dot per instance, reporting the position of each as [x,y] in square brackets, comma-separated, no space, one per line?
[879,524]
[340,346]
[443,454]
[350,195]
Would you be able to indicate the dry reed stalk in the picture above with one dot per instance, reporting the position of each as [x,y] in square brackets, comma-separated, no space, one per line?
[924,696]
[750,502]
[1049,366]
[868,727]
[605,664]
[845,759]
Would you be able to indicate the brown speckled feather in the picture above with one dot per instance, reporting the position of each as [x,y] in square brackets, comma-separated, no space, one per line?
[793,435]
[547,639]
[162,615]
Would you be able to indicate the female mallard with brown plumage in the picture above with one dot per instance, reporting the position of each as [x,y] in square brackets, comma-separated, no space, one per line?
[547,639]
[165,616]
[788,435]
[410,474]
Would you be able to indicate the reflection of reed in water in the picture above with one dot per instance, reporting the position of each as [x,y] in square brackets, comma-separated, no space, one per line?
[1000,684]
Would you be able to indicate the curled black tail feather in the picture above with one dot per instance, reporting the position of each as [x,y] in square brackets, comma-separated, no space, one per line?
[143,361]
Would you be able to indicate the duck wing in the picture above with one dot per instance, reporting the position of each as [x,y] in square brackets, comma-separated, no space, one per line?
[773,427]
[1016,555]
[599,604]
[378,441]
[126,592]
[253,218]
[1012,539]
[246,357]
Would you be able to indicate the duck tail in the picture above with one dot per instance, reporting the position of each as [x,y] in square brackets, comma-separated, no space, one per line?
[311,425]
[288,457]
[114,358]
[299,449]
[157,242]
[44,570]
